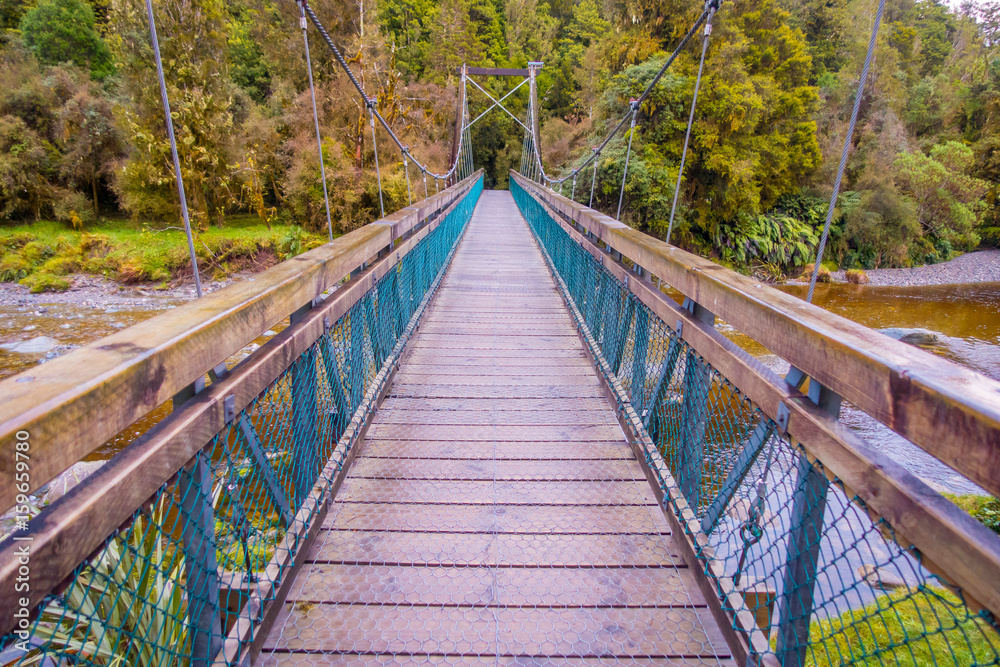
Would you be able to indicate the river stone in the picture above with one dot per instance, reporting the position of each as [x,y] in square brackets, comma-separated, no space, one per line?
[880,578]
[912,336]
[38,345]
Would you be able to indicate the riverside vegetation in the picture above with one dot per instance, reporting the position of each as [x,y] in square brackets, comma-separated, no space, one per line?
[83,143]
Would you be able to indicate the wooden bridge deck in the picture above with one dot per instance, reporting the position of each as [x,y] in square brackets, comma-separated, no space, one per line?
[495,512]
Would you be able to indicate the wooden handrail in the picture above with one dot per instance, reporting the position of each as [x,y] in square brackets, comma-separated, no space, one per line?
[950,411]
[952,544]
[76,403]
[77,523]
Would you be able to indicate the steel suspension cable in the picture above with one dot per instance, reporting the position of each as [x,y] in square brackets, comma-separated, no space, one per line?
[847,146]
[378,173]
[694,104]
[628,154]
[712,5]
[173,147]
[319,137]
[369,103]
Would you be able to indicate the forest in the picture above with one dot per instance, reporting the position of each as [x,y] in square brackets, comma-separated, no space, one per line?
[83,140]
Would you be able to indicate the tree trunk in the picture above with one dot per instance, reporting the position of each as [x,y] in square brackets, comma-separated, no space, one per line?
[93,187]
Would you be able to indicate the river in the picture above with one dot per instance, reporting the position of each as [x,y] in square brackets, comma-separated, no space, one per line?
[966,319]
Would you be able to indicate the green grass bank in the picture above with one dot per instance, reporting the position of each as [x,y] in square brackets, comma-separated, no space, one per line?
[43,255]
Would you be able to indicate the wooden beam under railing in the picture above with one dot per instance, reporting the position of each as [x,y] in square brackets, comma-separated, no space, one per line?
[76,524]
[952,544]
[950,411]
[74,404]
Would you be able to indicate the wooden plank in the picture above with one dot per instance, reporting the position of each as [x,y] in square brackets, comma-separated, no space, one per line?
[407,585]
[497,379]
[534,451]
[520,631]
[592,471]
[514,433]
[950,411]
[477,415]
[76,403]
[412,390]
[586,519]
[292,659]
[512,404]
[504,493]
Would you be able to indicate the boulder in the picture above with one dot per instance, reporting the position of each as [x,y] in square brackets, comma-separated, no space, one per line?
[912,336]
[37,345]
[880,578]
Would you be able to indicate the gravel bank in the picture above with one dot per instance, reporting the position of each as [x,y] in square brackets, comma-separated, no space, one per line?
[98,292]
[982,266]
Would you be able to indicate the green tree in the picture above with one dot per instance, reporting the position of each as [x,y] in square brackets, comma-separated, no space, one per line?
[25,169]
[948,201]
[193,40]
[59,31]
[92,141]
[454,39]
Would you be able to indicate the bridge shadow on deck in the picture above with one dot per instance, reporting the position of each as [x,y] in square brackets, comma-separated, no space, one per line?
[495,512]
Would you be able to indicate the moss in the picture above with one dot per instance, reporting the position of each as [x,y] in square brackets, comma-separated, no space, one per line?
[131,254]
[46,282]
[907,627]
[62,265]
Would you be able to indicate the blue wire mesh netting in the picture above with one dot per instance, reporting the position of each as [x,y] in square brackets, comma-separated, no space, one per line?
[170,585]
[826,583]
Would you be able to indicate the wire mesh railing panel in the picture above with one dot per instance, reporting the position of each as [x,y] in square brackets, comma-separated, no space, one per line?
[826,582]
[169,586]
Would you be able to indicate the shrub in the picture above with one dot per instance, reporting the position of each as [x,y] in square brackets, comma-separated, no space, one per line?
[857,277]
[824,275]
[62,265]
[46,282]
[74,209]
[13,268]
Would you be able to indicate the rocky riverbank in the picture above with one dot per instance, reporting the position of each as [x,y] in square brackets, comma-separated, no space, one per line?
[982,266]
[98,292]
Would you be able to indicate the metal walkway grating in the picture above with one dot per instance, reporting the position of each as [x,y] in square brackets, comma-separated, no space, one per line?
[495,513]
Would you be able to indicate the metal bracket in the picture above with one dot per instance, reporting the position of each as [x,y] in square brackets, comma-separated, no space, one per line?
[326,324]
[781,419]
[229,408]
[218,373]
[680,329]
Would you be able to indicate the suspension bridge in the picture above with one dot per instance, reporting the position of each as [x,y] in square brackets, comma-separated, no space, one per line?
[490,434]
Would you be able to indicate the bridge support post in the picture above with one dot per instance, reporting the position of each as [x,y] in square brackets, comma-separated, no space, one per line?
[194,487]
[795,606]
[305,438]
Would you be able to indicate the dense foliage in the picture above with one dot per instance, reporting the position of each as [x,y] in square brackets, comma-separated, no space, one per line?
[82,132]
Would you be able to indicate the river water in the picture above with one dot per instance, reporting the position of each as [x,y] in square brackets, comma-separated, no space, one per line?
[966,319]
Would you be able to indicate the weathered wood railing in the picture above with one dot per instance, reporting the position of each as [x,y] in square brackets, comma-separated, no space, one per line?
[951,412]
[257,451]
